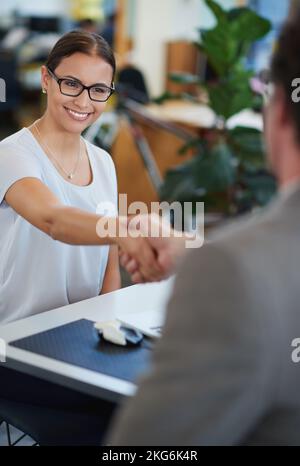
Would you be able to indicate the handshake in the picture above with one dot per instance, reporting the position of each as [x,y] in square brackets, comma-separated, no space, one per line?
[149,248]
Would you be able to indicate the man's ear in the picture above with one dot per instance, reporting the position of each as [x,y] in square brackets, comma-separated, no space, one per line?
[282,106]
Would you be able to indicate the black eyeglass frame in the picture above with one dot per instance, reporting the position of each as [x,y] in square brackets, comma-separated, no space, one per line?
[59,81]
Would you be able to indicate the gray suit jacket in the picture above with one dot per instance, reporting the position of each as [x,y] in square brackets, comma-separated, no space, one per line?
[222,372]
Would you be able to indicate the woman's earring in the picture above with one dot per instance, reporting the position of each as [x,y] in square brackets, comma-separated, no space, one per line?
[44,91]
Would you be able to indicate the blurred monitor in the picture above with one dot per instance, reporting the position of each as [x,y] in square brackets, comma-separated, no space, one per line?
[44,24]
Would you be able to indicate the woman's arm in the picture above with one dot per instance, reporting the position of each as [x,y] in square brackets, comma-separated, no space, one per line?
[112,277]
[34,201]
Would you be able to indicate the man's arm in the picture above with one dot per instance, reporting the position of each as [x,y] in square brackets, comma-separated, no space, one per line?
[207,384]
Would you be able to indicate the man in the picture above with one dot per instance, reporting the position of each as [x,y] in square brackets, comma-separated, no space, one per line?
[223,372]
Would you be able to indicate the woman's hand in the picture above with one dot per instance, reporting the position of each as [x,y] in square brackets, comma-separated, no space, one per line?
[141,259]
[132,267]
[161,238]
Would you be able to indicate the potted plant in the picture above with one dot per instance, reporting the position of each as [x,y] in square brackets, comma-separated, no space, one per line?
[228,170]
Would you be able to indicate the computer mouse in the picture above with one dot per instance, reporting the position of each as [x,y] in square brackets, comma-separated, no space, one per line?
[118,334]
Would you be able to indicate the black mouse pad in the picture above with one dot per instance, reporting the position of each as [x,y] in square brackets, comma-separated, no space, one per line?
[78,343]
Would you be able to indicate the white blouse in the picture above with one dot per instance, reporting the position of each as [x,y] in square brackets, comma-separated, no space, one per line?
[38,273]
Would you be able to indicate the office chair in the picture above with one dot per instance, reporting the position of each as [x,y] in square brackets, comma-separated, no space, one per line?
[10,417]
[10,442]
[131,83]
[37,422]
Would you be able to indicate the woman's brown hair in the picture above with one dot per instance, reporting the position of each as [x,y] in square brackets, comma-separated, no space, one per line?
[84,42]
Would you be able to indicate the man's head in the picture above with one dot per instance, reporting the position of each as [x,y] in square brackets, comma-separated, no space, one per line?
[282,117]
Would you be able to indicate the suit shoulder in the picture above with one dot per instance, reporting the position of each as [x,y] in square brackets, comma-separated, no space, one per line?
[248,229]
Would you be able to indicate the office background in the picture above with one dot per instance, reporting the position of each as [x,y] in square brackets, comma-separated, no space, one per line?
[28,30]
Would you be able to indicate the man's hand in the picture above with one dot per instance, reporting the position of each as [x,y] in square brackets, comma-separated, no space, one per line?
[162,240]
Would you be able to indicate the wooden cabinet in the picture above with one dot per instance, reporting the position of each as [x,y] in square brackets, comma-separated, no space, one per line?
[184,57]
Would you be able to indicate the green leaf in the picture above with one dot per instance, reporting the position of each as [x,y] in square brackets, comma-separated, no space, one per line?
[216,171]
[247,25]
[219,47]
[261,185]
[230,40]
[174,96]
[231,95]
[217,10]
[248,145]
[200,176]
[165,97]
[193,144]
[184,78]
[180,185]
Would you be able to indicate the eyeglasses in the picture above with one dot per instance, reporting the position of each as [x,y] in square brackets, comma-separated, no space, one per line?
[267,93]
[73,88]
[267,86]
[263,85]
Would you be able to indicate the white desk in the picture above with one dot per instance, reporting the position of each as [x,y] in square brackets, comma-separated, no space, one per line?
[144,297]
[197,115]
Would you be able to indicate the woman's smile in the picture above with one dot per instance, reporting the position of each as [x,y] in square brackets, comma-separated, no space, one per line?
[78,116]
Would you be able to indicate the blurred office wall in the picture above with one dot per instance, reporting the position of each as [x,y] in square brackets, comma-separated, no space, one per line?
[160,21]
[34,7]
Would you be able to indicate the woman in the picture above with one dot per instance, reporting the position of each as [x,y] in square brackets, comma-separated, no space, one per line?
[51,182]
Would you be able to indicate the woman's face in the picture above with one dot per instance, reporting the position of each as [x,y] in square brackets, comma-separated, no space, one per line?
[74,114]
